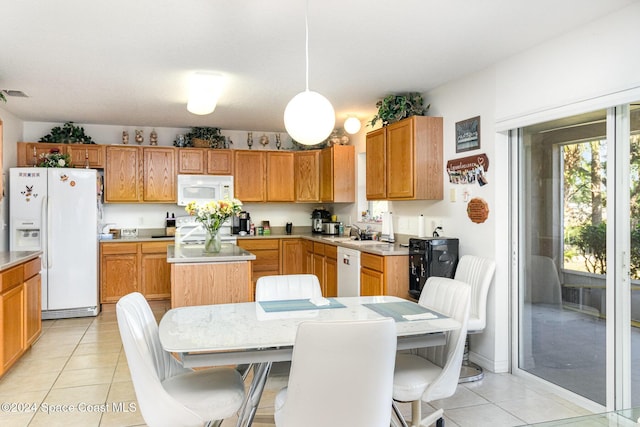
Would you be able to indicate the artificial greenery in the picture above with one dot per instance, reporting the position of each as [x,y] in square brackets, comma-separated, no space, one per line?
[67,134]
[212,135]
[2,97]
[54,159]
[397,107]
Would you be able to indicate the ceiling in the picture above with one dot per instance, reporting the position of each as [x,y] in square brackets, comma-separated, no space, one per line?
[124,62]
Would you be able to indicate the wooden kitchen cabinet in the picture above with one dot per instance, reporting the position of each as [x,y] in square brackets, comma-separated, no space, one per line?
[307,176]
[280,176]
[219,162]
[13,325]
[159,174]
[307,256]
[33,301]
[376,185]
[413,160]
[249,175]
[325,267]
[337,174]
[122,174]
[384,275]
[127,267]
[267,262]
[20,311]
[155,271]
[192,161]
[81,153]
[292,256]
[96,153]
[119,272]
[29,152]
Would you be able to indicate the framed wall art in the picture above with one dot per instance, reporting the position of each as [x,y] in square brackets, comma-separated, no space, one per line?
[468,134]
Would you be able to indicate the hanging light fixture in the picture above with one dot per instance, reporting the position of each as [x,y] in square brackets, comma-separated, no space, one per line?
[204,91]
[352,125]
[309,117]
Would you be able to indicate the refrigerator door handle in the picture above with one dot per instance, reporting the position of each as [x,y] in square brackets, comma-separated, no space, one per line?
[47,202]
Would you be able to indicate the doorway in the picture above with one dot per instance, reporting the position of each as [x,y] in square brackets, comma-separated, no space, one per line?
[577,315]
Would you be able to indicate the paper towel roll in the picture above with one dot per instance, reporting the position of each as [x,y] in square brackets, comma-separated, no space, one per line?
[421,232]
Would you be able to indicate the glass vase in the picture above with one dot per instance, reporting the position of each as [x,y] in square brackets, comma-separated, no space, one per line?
[212,243]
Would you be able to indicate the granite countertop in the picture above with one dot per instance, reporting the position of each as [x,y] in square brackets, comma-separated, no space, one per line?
[370,246]
[195,253]
[10,259]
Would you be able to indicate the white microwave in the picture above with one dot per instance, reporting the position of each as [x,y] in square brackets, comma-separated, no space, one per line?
[203,188]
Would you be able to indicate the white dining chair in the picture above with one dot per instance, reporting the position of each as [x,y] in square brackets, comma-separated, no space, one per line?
[169,394]
[341,375]
[287,287]
[432,373]
[478,273]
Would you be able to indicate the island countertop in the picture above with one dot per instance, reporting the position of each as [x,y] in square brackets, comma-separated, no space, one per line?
[195,253]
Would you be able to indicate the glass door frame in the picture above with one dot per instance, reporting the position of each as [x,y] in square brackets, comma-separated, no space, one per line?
[618,286]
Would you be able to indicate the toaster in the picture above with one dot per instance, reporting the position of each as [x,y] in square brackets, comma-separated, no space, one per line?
[331,228]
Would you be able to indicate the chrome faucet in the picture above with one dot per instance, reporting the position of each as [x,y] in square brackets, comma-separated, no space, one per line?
[355,231]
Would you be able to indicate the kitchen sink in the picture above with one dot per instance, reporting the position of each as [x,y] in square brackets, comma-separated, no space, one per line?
[337,239]
[366,242]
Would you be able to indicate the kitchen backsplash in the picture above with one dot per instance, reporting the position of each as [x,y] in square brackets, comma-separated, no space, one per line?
[153,215]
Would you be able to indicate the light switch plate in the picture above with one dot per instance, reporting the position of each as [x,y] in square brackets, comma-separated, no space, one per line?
[452,195]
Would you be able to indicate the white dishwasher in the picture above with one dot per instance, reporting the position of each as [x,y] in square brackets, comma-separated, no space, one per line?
[348,272]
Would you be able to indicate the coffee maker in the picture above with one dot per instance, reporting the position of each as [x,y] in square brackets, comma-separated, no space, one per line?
[241,222]
[318,217]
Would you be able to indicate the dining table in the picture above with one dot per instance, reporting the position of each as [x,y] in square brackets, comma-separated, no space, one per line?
[260,333]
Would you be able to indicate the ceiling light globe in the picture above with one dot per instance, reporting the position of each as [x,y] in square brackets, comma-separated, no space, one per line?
[309,118]
[352,125]
[204,90]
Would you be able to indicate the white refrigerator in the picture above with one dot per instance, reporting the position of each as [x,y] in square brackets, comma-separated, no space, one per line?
[56,210]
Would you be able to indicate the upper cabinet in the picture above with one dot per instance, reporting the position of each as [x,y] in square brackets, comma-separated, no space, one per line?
[122,174]
[250,172]
[220,162]
[140,174]
[412,160]
[204,161]
[81,154]
[159,174]
[280,174]
[337,174]
[307,176]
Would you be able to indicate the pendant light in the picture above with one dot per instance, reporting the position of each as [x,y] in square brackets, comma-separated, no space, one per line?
[309,117]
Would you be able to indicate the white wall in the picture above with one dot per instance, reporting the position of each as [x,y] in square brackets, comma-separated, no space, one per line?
[11,132]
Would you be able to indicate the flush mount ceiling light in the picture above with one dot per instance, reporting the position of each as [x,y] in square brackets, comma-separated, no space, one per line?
[309,117]
[352,125]
[204,91]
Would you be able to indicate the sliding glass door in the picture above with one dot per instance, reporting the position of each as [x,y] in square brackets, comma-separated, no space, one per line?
[577,316]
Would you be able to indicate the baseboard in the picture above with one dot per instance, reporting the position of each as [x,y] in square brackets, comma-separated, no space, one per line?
[489,365]
[70,312]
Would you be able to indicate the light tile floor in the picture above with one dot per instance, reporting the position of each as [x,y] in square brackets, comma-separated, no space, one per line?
[76,374]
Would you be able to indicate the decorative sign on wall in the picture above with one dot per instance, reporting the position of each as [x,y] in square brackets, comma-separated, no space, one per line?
[477,210]
[469,170]
[468,134]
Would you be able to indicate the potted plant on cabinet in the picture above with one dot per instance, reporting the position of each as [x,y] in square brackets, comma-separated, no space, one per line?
[394,108]
[67,134]
[205,137]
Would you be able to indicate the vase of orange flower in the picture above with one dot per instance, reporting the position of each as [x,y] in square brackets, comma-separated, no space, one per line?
[212,215]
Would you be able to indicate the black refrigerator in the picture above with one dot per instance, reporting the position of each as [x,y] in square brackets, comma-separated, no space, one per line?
[430,256]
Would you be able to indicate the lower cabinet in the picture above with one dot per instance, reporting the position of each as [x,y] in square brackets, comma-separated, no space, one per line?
[127,267]
[292,256]
[384,275]
[267,262]
[325,266]
[20,311]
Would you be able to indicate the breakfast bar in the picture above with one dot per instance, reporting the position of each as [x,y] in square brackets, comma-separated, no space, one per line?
[199,278]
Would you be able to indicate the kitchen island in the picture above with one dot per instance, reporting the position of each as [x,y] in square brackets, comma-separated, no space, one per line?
[199,278]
